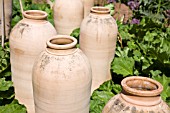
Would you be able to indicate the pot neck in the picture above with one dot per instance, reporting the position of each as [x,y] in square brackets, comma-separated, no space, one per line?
[100,11]
[61,45]
[141,86]
[35,15]
[141,91]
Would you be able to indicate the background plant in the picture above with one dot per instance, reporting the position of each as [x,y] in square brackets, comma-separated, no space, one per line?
[145,52]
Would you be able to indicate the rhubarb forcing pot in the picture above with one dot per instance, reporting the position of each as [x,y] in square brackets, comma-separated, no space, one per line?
[98,36]
[88,4]
[27,39]
[68,15]
[139,95]
[62,78]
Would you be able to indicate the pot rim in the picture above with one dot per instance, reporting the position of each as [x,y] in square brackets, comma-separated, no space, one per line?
[63,46]
[100,10]
[133,91]
[40,15]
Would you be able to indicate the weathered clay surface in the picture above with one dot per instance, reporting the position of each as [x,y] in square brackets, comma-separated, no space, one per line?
[62,81]
[68,15]
[27,39]
[139,95]
[98,35]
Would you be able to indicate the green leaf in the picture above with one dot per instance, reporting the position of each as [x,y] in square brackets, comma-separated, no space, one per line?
[14,107]
[122,52]
[75,33]
[117,88]
[165,81]
[96,106]
[103,96]
[123,66]
[107,86]
[5,85]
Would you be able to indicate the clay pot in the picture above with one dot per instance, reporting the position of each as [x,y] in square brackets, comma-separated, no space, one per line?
[139,95]
[88,4]
[68,15]
[7,16]
[98,35]
[62,78]
[27,39]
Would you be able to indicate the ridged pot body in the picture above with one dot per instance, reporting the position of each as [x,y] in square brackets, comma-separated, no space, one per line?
[62,82]
[147,100]
[8,16]
[98,35]
[68,15]
[118,105]
[27,39]
[88,4]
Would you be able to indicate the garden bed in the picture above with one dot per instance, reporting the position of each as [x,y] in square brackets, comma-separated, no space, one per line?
[143,49]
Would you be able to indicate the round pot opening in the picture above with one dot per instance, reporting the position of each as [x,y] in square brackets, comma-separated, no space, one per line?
[101,10]
[35,14]
[62,42]
[141,86]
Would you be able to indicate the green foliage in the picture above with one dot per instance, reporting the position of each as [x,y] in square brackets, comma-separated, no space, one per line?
[13,107]
[5,85]
[165,81]
[102,95]
[153,8]
[7,102]
[27,5]
[76,33]
[146,52]
[123,65]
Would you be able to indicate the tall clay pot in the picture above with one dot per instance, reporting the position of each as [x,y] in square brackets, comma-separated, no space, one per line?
[98,35]
[27,39]
[88,4]
[7,16]
[62,78]
[68,15]
[139,95]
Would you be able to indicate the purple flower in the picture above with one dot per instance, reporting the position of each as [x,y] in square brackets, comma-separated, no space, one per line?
[133,5]
[111,1]
[135,21]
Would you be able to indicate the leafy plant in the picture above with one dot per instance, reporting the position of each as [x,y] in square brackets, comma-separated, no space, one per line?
[102,95]
[7,102]
[27,5]
[146,52]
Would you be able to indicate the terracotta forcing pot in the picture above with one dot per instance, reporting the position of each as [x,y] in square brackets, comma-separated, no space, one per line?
[62,78]
[139,95]
[88,4]
[27,39]
[98,36]
[7,16]
[68,15]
